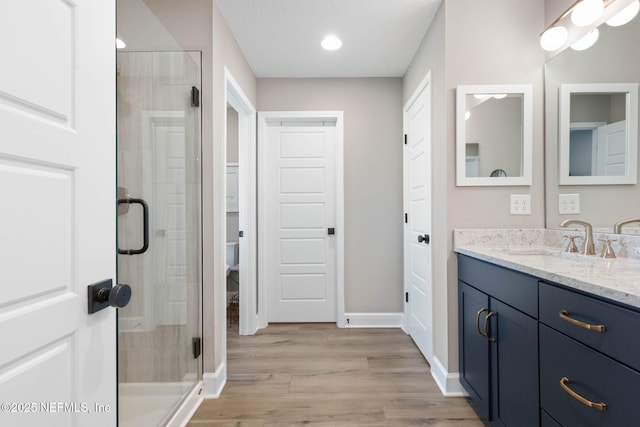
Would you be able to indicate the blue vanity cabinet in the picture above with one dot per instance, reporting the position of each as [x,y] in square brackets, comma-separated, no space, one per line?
[498,342]
[589,359]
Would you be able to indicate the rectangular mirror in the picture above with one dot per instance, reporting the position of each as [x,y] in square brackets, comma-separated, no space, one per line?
[493,135]
[598,133]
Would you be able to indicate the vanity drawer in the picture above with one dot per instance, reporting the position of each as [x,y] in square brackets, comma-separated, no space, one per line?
[516,289]
[621,326]
[591,375]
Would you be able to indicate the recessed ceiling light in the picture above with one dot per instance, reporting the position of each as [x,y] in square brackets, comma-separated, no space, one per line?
[120,44]
[331,43]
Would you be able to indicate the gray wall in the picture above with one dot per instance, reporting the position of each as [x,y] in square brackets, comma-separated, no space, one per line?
[485,42]
[373,178]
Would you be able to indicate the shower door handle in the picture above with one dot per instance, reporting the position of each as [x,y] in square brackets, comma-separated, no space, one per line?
[145,226]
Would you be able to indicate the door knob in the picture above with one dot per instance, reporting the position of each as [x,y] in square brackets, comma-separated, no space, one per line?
[424,239]
[103,294]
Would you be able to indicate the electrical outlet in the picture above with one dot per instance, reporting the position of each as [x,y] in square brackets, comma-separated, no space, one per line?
[568,204]
[521,204]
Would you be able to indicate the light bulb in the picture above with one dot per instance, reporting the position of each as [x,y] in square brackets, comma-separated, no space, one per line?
[587,40]
[331,43]
[481,96]
[553,38]
[587,12]
[467,115]
[625,15]
[500,95]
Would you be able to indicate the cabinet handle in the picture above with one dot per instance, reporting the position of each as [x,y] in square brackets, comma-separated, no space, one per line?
[564,381]
[482,310]
[486,326]
[564,315]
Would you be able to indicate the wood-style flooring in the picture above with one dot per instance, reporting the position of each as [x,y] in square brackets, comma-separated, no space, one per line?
[320,375]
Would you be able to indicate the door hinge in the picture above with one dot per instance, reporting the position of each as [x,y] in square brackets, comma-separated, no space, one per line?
[406,297]
[405,139]
[240,233]
[195,97]
[197,347]
[406,218]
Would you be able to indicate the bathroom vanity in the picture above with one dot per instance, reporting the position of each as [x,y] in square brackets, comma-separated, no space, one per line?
[548,338]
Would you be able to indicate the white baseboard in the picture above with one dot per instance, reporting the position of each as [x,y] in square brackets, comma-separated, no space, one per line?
[214,382]
[449,384]
[373,320]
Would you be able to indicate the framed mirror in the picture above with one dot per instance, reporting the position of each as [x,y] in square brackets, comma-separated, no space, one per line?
[493,135]
[598,133]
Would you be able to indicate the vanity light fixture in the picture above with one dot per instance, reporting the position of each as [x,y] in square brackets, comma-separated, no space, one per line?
[120,44]
[585,13]
[331,43]
[467,114]
[625,15]
[554,38]
[587,40]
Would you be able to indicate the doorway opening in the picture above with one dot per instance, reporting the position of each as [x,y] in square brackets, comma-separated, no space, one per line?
[241,302]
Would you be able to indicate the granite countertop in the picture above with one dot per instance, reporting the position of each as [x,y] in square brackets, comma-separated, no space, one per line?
[615,279]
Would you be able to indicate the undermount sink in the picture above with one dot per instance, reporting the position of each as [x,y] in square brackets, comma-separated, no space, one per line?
[555,253]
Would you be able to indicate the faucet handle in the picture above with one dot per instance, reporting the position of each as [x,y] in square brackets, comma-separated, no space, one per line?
[572,248]
[607,250]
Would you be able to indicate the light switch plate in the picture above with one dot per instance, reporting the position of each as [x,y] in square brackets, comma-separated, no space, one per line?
[568,204]
[521,204]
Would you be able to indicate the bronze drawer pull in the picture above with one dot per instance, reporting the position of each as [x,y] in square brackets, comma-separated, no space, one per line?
[486,326]
[599,406]
[482,310]
[565,316]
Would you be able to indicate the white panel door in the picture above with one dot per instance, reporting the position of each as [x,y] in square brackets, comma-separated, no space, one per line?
[57,220]
[612,149]
[300,192]
[418,276]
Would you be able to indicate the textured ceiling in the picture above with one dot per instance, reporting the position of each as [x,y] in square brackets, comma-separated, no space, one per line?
[281,38]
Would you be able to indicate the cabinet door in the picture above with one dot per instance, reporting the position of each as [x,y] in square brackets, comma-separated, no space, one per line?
[474,348]
[514,361]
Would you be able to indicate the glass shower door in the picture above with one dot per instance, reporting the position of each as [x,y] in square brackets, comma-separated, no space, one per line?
[159,233]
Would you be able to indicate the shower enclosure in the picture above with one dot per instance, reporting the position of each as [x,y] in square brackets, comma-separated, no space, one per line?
[159,233]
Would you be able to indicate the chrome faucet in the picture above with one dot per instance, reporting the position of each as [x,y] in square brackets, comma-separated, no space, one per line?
[617,228]
[587,245]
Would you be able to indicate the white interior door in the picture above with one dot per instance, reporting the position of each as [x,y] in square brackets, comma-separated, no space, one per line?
[300,197]
[418,269]
[57,221]
[612,149]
